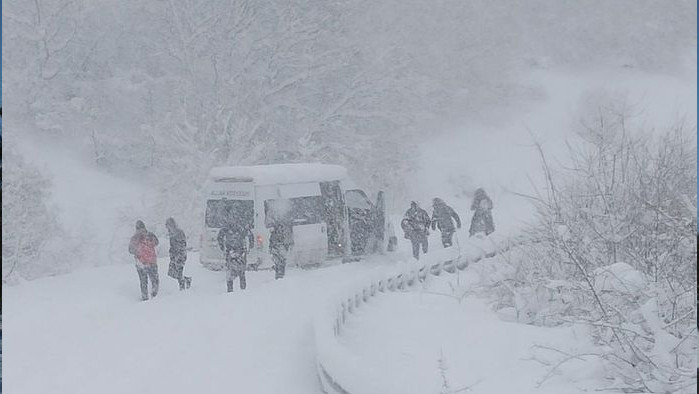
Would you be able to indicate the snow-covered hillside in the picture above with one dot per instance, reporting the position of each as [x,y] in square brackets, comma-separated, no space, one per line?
[116,110]
[95,209]
[496,149]
[101,339]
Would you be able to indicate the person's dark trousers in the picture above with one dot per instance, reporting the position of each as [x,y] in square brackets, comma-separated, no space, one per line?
[185,282]
[279,258]
[176,270]
[447,238]
[241,277]
[416,246]
[146,271]
[279,269]
[235,267]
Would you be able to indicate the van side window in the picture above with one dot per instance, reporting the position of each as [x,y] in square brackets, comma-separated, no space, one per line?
[357,199]
[298,210]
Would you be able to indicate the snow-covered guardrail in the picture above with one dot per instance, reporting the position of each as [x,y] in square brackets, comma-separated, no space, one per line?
[339,371]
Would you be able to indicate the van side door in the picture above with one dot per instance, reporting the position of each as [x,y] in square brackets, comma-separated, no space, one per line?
[334,216]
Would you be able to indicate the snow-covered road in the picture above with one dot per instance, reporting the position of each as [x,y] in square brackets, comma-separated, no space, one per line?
[87,332]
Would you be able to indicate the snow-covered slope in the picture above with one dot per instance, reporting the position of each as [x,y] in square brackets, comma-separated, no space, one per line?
[495,150]
[95,208]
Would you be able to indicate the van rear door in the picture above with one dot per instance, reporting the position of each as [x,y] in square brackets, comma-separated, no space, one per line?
[217,215]
[306,214]
[225,194]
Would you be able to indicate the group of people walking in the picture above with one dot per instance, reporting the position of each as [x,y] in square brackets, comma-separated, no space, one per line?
[143,246]
[416,222]
[235,240]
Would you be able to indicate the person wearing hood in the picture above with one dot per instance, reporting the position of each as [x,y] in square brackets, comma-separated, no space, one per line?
[142,247]
[482,207]
[415,225]
[281,240]
[443,217]
[235,240]
[178,254]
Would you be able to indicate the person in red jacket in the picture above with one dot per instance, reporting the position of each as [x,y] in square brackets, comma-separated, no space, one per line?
[142,246]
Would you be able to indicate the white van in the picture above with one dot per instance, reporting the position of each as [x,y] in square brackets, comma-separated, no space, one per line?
[330,217]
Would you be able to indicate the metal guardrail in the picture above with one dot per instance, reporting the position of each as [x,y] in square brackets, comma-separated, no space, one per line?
[329,323]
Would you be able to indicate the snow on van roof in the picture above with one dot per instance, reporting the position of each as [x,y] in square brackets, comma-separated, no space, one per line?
[282,173]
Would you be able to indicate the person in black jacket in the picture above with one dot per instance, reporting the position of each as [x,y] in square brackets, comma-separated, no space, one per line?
[482,220]
[178,254]
[415,225]
[281,240]
[442,216]
[231,240]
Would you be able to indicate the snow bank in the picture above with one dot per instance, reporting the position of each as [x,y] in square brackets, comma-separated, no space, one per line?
[404,339]
[620,277]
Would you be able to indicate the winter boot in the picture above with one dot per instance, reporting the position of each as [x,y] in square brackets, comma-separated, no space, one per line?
[188,281]
[230,286]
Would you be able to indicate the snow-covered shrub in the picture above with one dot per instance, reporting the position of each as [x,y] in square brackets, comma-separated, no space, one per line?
[614,248]
[29,226]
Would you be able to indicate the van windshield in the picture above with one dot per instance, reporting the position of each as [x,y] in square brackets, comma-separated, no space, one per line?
[297,210]
[217,212]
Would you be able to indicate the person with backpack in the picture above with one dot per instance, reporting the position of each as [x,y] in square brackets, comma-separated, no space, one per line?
[178,254]
[442,216]
[231,240]
[482,220]
[415,225]
[281,240]
[142,247]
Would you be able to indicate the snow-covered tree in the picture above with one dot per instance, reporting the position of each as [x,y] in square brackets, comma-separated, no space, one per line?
[614,248]
[29,223]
